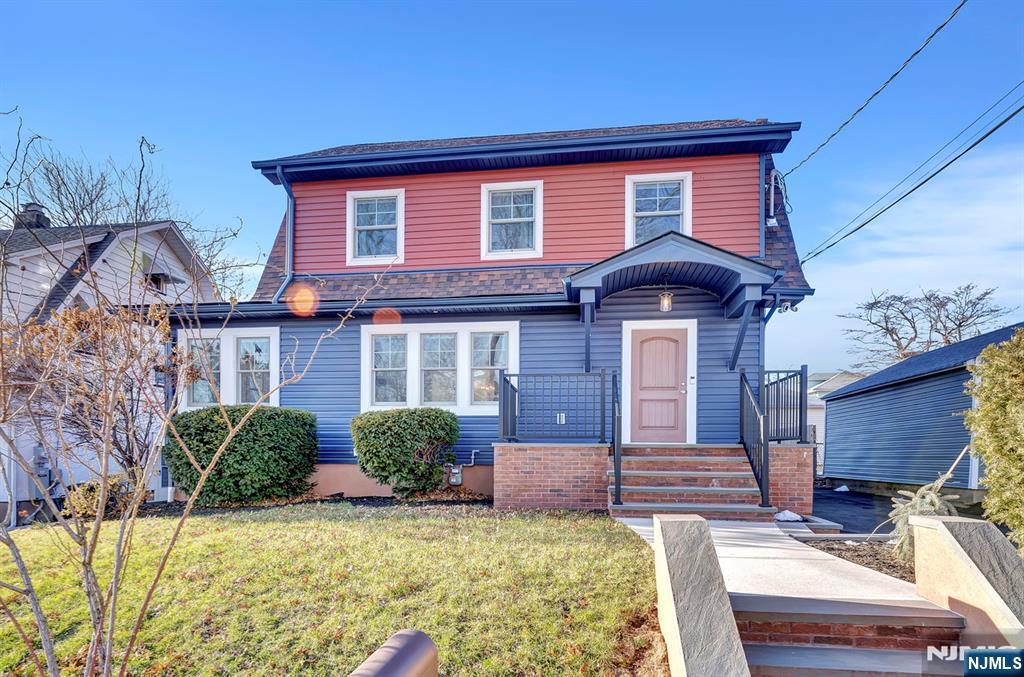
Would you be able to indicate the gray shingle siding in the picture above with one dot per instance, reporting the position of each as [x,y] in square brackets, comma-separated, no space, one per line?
[548,343]
[908,433]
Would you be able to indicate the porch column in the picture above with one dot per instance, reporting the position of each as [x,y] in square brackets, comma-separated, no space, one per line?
[588,299]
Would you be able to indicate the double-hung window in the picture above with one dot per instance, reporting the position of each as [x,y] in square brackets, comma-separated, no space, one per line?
[439,366]
[657,204]
[389,369]
[375,227]
[490,353]
[205,357]
[512,220]
[253,359]
[452,365]
[231,365]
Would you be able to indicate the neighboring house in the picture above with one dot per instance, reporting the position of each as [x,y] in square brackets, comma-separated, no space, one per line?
[43,273]
[517,270]
[819,384]
[904,424]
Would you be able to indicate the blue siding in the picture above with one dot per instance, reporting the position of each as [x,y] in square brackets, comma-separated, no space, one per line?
[907,433]
[551,342]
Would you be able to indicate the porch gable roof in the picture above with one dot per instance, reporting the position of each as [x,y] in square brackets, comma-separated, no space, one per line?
[674,259]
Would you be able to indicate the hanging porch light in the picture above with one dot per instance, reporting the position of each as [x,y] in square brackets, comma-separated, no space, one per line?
[665,297]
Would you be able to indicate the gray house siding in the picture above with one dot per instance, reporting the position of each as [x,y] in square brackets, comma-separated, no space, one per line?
[907,433]
[548,343]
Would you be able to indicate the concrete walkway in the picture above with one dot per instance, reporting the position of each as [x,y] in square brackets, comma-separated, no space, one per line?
[758,558]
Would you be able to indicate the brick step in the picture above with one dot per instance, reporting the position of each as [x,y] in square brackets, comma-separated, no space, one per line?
[656,494]
[687,478]
[882,624]
[711,511]
[767,660]
[707,463]
[683,450]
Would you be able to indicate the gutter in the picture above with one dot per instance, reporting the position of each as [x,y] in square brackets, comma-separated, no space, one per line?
[289,238]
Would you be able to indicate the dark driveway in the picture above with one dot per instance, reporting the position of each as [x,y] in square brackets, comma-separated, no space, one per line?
[858,513]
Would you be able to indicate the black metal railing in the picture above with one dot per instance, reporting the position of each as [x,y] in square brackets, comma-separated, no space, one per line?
[754,436]
[570,406]
[617,439]
[785,404]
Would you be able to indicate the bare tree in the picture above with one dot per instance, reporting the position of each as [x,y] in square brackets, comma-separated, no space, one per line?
[78,192]
[64,380]
[893,327]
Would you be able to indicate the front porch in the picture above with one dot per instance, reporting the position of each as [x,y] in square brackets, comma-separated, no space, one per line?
[673,392]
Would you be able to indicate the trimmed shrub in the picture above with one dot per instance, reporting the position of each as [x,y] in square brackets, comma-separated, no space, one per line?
[83,499]
[405,448]
[270,457]
[998,426]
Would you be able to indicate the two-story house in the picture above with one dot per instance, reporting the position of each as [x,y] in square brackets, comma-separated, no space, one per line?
[44,271]
[572,296]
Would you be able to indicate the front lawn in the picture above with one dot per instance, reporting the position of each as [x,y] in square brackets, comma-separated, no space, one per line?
[318,587]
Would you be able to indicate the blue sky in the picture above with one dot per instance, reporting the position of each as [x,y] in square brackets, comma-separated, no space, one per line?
[216,85]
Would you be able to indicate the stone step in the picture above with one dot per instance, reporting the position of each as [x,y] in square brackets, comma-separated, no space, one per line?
[711,511]
[687,478]
[707,463]
[660,494]
[879,624]
[640,449]
[768,660]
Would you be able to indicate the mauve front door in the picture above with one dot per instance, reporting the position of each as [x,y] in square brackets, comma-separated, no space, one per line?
[658,386]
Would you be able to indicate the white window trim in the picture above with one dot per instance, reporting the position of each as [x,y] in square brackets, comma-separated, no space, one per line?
[633,179]
[228,359]
[463,363]
[628,327]
[538,221]
[350,227]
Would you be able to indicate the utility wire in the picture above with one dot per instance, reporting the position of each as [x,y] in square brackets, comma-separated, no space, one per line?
[918,168]
[919,184]
[879,90]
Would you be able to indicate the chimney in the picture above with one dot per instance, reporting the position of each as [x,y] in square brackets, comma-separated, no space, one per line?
[32,215]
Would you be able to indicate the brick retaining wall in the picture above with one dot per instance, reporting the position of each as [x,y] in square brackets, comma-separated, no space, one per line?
[790,477]
[550,476]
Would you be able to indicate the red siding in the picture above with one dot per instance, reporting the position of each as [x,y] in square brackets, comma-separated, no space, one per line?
[584,212]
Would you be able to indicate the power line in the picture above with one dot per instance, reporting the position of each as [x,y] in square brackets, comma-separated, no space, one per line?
[919,184]
[918,168]
[879,90]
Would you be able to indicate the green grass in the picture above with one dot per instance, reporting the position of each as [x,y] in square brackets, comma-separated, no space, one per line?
[317,587]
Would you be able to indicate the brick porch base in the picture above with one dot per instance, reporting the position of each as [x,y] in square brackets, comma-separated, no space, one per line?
[547,475]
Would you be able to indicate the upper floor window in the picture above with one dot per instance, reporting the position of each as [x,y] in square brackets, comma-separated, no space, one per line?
[512,220]
[375,230]
[657,204]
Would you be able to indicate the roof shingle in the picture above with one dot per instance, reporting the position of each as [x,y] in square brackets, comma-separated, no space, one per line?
[933,361]
[465,141]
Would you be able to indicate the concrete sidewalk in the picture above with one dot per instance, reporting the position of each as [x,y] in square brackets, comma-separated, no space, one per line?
[758,558]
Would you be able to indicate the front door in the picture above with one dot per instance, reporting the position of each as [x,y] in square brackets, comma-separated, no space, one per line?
[658,385]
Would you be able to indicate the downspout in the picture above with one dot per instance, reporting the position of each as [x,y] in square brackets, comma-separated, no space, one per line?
[289,236]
